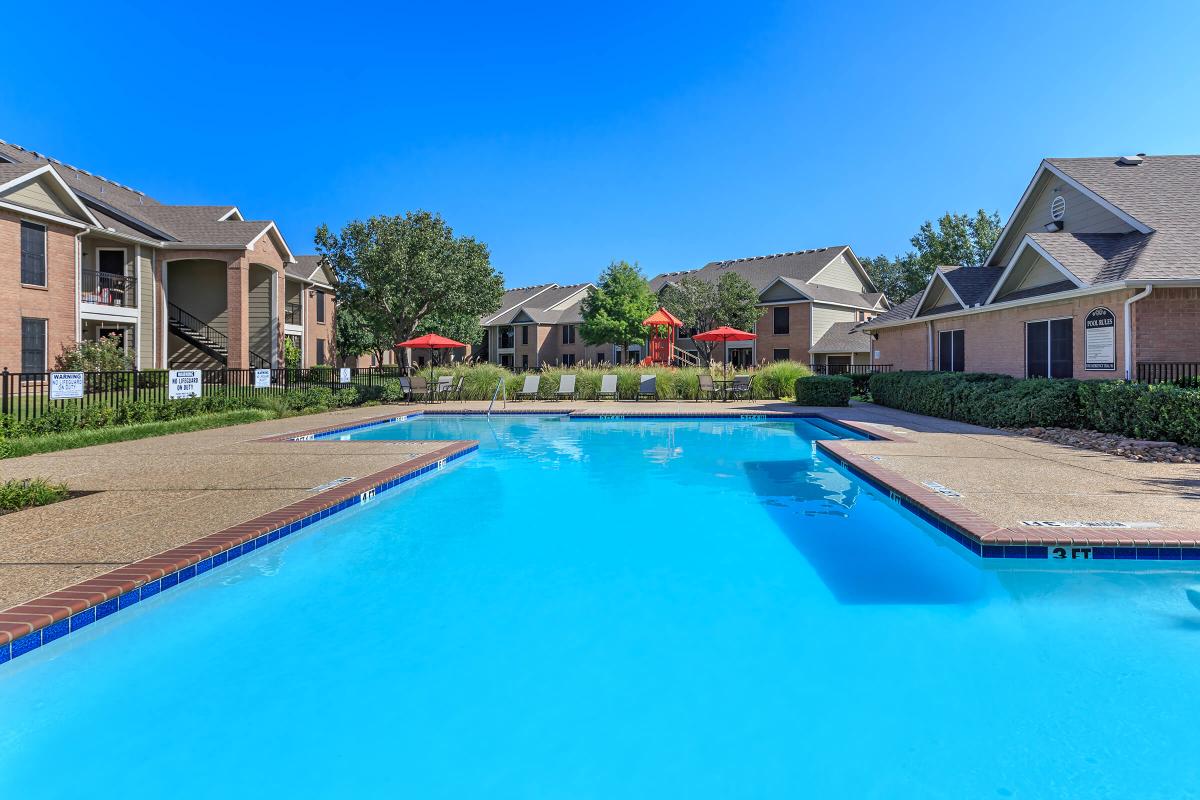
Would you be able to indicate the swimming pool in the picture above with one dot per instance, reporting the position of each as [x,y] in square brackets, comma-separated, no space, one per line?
[621,608]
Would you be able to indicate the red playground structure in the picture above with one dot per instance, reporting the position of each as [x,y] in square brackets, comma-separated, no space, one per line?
[662,325]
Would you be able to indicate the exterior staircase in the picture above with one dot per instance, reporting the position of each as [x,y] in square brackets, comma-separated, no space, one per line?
[205,338]
[685,358]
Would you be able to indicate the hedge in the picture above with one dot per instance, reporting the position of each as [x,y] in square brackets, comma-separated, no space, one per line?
[824,390]
[1161,412]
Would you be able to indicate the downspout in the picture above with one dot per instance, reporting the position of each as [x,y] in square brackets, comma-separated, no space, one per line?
[1128,328]
[929,343]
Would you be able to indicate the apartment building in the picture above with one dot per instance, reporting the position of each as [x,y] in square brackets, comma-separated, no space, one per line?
[806,298]
[538,326]
[1095,275]
[82,257]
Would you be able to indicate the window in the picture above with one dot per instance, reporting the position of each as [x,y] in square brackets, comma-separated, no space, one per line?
[524,361]
[1048,349]
[600,357]
[568,334]
[950,351]
[506,360]
[320,308]
[111,262]
[506,337]
[320,351]
[33,254]
[524,334]
[33,345]
[568,359]
[781,354]
[783,320]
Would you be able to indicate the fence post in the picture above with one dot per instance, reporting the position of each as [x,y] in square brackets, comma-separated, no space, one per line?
[5,402]
[135,384]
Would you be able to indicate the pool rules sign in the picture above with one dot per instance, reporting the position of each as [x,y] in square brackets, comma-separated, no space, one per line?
[184,383]
[1100,340]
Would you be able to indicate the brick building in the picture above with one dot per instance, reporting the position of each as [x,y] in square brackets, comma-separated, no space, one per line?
[1096,275]
[83,257]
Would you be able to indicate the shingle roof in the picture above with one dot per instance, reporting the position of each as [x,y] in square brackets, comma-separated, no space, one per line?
[304,267]
[842,337]
[199,225]
[1037,291]
[972,284]
[10,172]
[832,294]
[900,311]
[761,271]
[1162,192]
[539,304]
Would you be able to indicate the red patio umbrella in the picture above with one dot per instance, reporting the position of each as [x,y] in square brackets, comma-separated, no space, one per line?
[431,341]
[724,334]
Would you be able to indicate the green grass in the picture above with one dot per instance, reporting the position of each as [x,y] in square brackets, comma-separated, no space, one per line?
[69,440]
[18,494]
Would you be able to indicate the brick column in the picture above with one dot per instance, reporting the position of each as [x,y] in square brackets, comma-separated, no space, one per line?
[237,293]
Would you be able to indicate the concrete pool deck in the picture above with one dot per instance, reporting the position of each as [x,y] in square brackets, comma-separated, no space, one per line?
[152,495]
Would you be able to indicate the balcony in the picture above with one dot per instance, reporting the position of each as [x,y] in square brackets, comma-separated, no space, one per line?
[291,313]
[107,289]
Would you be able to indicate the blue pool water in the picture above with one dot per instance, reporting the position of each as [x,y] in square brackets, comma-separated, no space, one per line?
[602,609]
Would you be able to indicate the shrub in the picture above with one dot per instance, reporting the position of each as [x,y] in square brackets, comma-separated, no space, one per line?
[17,494]
[1159,411]
[824,390]
[391,392]
[106,354]
[777,380]
[348,396]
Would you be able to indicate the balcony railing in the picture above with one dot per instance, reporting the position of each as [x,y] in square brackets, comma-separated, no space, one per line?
[849,369]
[107,289]
[291,314]
[1181,372]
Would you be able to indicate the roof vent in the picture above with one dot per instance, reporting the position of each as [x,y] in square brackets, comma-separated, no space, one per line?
[1130,161]
[1058,208]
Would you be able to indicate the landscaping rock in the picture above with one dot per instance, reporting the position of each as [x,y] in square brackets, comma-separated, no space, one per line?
[1134,449]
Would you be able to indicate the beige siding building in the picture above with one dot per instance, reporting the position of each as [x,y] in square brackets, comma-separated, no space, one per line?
[1096,275]
[84,257]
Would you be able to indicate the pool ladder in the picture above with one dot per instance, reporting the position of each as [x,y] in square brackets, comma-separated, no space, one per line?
[502,392]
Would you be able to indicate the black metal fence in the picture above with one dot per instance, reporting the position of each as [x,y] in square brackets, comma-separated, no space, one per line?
[1168,371]
[26,395]
[849,369]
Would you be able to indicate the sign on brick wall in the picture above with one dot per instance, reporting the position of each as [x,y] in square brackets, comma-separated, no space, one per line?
[1100,340]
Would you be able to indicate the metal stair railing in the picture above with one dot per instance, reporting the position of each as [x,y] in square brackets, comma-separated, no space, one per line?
[503,392]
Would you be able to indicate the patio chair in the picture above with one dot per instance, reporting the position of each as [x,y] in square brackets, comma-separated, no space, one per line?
[529,390]
[406,387]
[740,386]
[566,387]
[445,385]
[458,387]
[418,387]
[706,387]
[608,387]
[648,387]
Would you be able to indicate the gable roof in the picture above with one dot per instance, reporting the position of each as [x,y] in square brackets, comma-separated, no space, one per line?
[842,337]
[18,175]
[310,269]
[117,208]
[536,304]
[761,271]
[828,294]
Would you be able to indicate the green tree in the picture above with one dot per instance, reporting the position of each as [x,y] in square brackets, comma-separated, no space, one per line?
[356,333]
[399,274]
[955,239]
[702,305]
[614,308]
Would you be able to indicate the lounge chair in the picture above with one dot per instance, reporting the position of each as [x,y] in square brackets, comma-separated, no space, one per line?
[740,386]
[530,388]
[418,387]
[706,387]
[406,387]
[566,387]
[648,387]
[608,387]
[445,385]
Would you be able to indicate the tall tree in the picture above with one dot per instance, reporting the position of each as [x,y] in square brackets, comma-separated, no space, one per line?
[702,305]
[398,273]
[955,239]
[356,334]
[614,308]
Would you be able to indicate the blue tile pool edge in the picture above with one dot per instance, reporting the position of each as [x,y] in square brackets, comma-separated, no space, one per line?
[68,625]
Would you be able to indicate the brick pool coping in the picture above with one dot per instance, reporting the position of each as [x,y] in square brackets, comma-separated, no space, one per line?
[64,611]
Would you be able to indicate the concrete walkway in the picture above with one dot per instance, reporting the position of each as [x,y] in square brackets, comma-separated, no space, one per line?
[153,494]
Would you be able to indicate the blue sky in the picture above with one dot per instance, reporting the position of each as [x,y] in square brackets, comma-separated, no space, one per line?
[566,135]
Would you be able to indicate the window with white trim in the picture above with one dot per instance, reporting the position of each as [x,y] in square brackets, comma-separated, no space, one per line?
[33,344]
